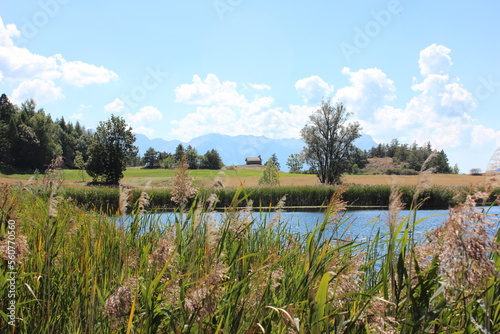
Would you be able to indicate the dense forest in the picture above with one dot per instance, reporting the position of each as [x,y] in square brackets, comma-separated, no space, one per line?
[30,139]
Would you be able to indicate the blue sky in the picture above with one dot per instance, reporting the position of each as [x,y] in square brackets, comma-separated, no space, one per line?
[413,70]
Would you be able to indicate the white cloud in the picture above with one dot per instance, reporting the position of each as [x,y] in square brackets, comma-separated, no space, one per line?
[80,112]
[210,91]
[313,89]
[20,65]
[144,131]
[370,89]
[482,135]
[145,116]
[78,116]
[80,74]
[116,105]
[7,32]
[39,90]
[435,59]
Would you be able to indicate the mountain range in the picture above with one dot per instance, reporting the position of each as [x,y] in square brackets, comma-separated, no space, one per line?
[234,149]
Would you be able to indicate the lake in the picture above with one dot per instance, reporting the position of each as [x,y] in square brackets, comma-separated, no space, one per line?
[360,223]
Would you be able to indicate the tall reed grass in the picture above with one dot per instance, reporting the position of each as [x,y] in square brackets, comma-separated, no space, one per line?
[436,197]
[81,271]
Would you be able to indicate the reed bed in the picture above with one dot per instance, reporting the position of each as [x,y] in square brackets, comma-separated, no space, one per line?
[433,197]
[81,271]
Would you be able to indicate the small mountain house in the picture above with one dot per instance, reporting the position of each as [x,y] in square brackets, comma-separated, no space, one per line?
[254,161]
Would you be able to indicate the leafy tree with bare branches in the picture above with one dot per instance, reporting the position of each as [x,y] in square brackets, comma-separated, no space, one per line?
[329,139]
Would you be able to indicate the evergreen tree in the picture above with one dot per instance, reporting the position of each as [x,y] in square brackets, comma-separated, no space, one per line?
[192,157]
[179,153]
[274,159]
[212,160]
[151,158]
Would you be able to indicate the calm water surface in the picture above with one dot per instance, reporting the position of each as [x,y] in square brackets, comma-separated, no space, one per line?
[359,223]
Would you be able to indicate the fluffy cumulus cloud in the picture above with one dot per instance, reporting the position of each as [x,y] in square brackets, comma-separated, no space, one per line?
[39,90]
[80,74]
[369,90]
[222,108]
[141,120]
[209,91]
[313,89]
[116,105]
[435,59]
[20,65]
[7,32]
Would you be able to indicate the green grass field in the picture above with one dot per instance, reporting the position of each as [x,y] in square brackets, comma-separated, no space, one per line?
[75,175]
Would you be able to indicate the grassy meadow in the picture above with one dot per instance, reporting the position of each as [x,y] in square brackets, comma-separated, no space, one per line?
[248,177]
[79,270]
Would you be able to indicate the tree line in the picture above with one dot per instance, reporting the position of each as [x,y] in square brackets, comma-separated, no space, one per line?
[414,156]
[30,139]
[156,159]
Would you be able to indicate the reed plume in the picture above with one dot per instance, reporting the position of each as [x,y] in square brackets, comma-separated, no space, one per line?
[119,304]
[183,189]
[124,198]
[143,202]
[462,245]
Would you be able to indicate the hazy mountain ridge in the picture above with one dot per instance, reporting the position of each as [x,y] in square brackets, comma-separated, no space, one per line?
[234,149]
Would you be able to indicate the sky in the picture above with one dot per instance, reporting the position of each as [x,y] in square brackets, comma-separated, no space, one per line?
[416,70]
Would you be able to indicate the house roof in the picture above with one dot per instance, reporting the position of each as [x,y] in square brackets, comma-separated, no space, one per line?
[253,159]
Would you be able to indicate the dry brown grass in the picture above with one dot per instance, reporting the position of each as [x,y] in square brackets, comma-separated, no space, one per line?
[435,179]
[301,180]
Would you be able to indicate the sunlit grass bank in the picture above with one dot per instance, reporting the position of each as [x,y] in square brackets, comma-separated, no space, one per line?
[80,271]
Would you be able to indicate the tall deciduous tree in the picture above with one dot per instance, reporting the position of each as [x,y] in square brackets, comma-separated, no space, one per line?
[295,162]
[111,146]
[329,139]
